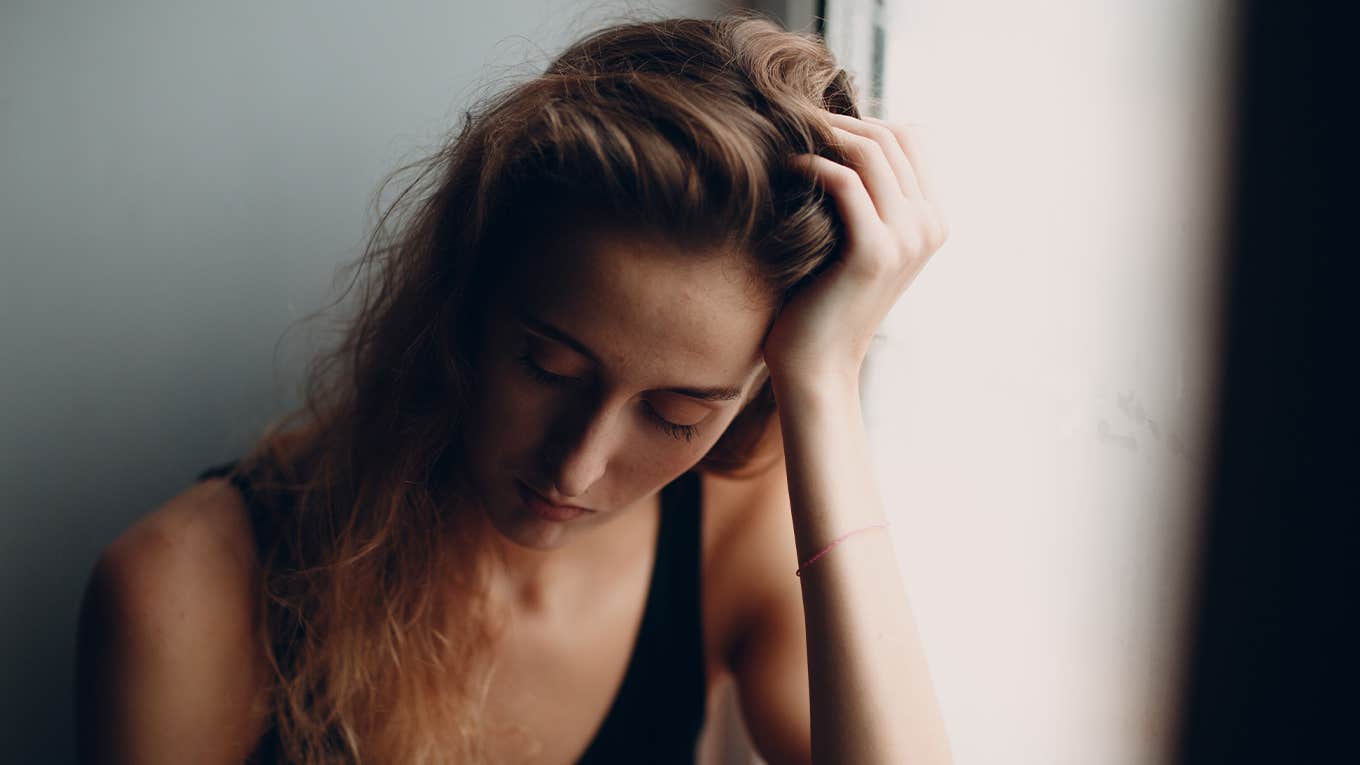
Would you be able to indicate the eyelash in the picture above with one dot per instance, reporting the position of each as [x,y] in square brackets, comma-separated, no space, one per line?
[678,432]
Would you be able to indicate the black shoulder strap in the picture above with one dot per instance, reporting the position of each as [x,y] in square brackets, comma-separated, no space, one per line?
[267,750]
[260,522]
[660,707]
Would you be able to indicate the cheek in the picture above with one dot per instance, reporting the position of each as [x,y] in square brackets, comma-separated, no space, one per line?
[512,409]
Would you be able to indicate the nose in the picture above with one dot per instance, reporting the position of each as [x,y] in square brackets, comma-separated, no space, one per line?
[579,451]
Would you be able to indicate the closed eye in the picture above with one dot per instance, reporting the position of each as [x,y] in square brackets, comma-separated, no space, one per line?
[685,432]
[539,374]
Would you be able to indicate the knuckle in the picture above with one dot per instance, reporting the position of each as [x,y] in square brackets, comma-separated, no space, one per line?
[910,241]
[863,147]
[941,226]
[882,134]
[873,146]
[904,136]
[842,178]
[942,233]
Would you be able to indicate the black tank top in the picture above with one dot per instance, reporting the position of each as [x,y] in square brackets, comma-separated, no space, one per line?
[659,709]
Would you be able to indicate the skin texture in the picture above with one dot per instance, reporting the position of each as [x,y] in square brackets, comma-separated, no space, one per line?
[872,698]
[168,670]
[829,667]
[653,317]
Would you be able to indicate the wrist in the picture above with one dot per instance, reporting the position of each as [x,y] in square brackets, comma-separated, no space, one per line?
[817,390]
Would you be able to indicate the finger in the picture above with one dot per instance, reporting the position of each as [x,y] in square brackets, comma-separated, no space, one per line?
[908,137]
[846,188]
[892,149]
[867,158]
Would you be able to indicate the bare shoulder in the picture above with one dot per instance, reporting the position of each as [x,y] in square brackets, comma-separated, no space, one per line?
[764,645]
[206,524]
[742,505]
[169,668]
[752,550]
[190,561]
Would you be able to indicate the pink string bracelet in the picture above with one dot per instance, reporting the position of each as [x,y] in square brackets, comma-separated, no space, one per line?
[835,542]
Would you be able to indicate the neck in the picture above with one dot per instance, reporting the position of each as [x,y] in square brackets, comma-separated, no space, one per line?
[550,584]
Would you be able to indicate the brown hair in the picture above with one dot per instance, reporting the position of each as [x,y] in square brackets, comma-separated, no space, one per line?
[372,609]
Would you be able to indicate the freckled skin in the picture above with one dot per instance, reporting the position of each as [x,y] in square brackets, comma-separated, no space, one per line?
[657,317]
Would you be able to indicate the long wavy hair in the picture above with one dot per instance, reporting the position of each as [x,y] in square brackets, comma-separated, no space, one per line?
[372,607]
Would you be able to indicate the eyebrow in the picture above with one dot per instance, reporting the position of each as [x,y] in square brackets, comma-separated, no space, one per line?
[717,393]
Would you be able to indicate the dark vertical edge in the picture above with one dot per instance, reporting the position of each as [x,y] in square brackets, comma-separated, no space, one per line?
[1270,671]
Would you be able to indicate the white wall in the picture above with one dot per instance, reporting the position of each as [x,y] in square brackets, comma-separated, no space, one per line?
[1038,407]
[178,181]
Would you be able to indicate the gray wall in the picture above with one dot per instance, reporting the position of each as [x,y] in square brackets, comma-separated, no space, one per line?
[178,182]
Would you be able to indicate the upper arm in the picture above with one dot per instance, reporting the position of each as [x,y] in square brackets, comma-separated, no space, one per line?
[168,669]
[769,657]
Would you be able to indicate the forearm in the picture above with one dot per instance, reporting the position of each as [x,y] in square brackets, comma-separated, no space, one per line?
[872,699]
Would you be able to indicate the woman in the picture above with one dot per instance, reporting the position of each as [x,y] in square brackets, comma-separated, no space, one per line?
[597,403]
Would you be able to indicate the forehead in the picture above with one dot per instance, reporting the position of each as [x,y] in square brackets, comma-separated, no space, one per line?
[644,305]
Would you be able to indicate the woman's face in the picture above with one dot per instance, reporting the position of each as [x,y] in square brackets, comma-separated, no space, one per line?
[609,365]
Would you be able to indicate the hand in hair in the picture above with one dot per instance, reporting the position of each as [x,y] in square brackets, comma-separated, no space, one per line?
[871,699]
[892,227]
